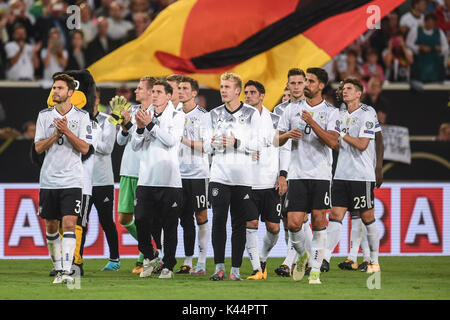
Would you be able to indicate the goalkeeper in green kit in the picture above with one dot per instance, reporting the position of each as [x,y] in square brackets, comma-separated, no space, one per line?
[123,114]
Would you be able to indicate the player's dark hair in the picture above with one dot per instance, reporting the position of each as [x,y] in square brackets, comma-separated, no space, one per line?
[320,73]
[192,82]
[358,85]
[258,85]
[70,81]
[165,84]
[296,72]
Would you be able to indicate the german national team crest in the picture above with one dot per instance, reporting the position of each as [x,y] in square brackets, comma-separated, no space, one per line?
[215,192]
[322,116]
[73,125]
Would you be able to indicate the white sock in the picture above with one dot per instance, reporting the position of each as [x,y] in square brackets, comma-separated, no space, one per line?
[298,241]
[291,256]
[203,237]
[365,243]
[308,235]
[54,249]
[333,236]
[188,261]
[269,241]
[374,240]
[355,239]
[252,248]
[68,248]
[318,244]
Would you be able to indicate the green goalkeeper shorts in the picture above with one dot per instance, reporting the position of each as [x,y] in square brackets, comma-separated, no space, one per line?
[127,194]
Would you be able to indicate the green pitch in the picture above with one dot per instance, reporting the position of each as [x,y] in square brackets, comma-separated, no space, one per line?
[401,278]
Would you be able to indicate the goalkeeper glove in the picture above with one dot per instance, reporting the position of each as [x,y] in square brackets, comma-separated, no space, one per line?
[118,104]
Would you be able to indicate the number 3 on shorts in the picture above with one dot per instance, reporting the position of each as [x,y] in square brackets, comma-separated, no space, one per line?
[77,206]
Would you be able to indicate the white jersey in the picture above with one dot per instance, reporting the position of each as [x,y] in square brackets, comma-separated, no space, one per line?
[159,165]
[233,166]
[129,165]
[88,164]
[194,164]
[267,167]
[62,166]
[103,170]
[311,158]
[353,164]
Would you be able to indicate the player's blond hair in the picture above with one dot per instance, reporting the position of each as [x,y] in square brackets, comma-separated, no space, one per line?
[232,77]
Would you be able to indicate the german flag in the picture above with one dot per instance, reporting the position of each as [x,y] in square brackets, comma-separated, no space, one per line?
[257,39]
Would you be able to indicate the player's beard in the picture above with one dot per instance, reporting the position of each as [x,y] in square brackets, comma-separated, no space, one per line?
[309,94]
[60,99]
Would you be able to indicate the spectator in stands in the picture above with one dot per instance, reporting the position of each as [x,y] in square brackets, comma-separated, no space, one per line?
[398,59]
[29,130]
[430,46]
[87,24]
[22,57]
[77,53]
[371,67]
[375,98]
[139,6]
[414,18]
[39,8]
[351,69]
[393,26]
[103,10]
[444,132]
[101,107]
[54,57]
[443,16]
[127,92]
[102,44]
[17,13]
[141,21]
[118,28]
[56,18]
[380,38]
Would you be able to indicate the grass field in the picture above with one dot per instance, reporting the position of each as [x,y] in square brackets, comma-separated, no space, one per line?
[404,278]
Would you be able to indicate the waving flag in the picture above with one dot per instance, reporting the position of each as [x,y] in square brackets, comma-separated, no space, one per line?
[257,39]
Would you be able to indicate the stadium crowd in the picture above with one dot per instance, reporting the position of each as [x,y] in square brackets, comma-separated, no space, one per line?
[410,43]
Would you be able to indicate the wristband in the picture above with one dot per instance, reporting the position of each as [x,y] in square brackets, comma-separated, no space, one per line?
[150,126]
[342,134]
[128,125]
[283,173]
[237,143]
[140,130]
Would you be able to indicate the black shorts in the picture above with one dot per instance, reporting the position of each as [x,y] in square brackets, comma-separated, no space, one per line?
[283,203]
[195,194]
[305,195]
[234,198]
[268,205]
[54,204]
[354,195]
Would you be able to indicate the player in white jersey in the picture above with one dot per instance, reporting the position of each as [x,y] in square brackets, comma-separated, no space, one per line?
[232,137]
[265,186]
[194,169]
[311,125]
[174,81]
[103,186]
[61,132]
[159,193]
[354,179]
[129,167]
[83,220]
[296,81]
